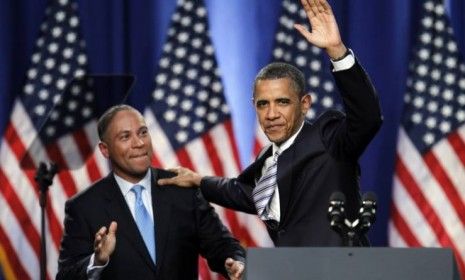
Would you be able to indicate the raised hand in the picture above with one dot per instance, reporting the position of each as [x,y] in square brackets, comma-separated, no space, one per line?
[104,244]
[325,31]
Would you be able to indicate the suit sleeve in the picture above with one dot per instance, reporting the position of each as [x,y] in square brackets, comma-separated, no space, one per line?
[216,242]
[76,246]
[346,137]
[229,193]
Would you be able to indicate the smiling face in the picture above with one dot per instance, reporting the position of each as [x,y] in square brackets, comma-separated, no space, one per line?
[280,110]
[127,143]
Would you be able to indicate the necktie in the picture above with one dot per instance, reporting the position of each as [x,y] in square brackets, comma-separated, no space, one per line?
[265,187]
[144,222]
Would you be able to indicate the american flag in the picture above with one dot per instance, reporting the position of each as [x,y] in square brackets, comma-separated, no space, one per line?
[53,122]
[291,47]
[428,207]
[189,117]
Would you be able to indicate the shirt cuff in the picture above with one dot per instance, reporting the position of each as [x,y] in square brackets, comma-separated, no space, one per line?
[345,63]
[94,271]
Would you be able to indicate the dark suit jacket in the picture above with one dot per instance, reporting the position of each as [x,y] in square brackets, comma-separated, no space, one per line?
[185,226]
[323,159]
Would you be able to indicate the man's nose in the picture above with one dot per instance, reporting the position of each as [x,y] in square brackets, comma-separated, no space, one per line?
[137,141]
[272,112]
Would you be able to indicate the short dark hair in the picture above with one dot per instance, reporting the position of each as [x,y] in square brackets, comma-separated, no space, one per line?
[106,118]
[279,70]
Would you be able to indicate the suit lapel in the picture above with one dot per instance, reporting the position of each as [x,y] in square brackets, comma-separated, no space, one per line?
[286,167]
[161,213]
[285,180]
[118,210]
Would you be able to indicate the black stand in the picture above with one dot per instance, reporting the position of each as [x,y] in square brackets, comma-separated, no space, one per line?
[352,232]
[44,177]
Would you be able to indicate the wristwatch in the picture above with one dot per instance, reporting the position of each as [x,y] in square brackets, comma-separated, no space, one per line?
[347,53]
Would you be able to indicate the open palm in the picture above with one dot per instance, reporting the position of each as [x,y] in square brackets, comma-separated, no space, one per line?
[325,32]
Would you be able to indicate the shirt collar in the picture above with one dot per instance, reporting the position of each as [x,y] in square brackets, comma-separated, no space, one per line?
[286,144]
[126,186]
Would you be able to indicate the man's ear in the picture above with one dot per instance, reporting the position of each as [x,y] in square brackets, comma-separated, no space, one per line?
[306,103]
[104,149]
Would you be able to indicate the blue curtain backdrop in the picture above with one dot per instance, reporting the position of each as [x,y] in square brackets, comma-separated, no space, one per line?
[126,36]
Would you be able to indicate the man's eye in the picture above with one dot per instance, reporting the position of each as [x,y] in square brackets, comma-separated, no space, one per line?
[261,104]
[283,101]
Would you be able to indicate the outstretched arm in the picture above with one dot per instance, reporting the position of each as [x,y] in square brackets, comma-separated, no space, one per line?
[223,191]
[325,31]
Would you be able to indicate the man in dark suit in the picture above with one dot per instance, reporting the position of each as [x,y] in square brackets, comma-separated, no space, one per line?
[153,232]
[290,182]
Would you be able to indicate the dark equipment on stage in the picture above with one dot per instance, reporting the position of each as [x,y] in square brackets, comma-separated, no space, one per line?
[351,231]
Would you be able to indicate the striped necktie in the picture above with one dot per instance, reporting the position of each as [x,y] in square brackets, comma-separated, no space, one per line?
[144,222]
[265,188]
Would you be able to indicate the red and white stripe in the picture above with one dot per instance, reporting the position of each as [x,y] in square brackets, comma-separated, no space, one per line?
[429,196]
[19,197]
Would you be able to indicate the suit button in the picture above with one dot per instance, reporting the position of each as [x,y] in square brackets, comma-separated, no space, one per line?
[281,232]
